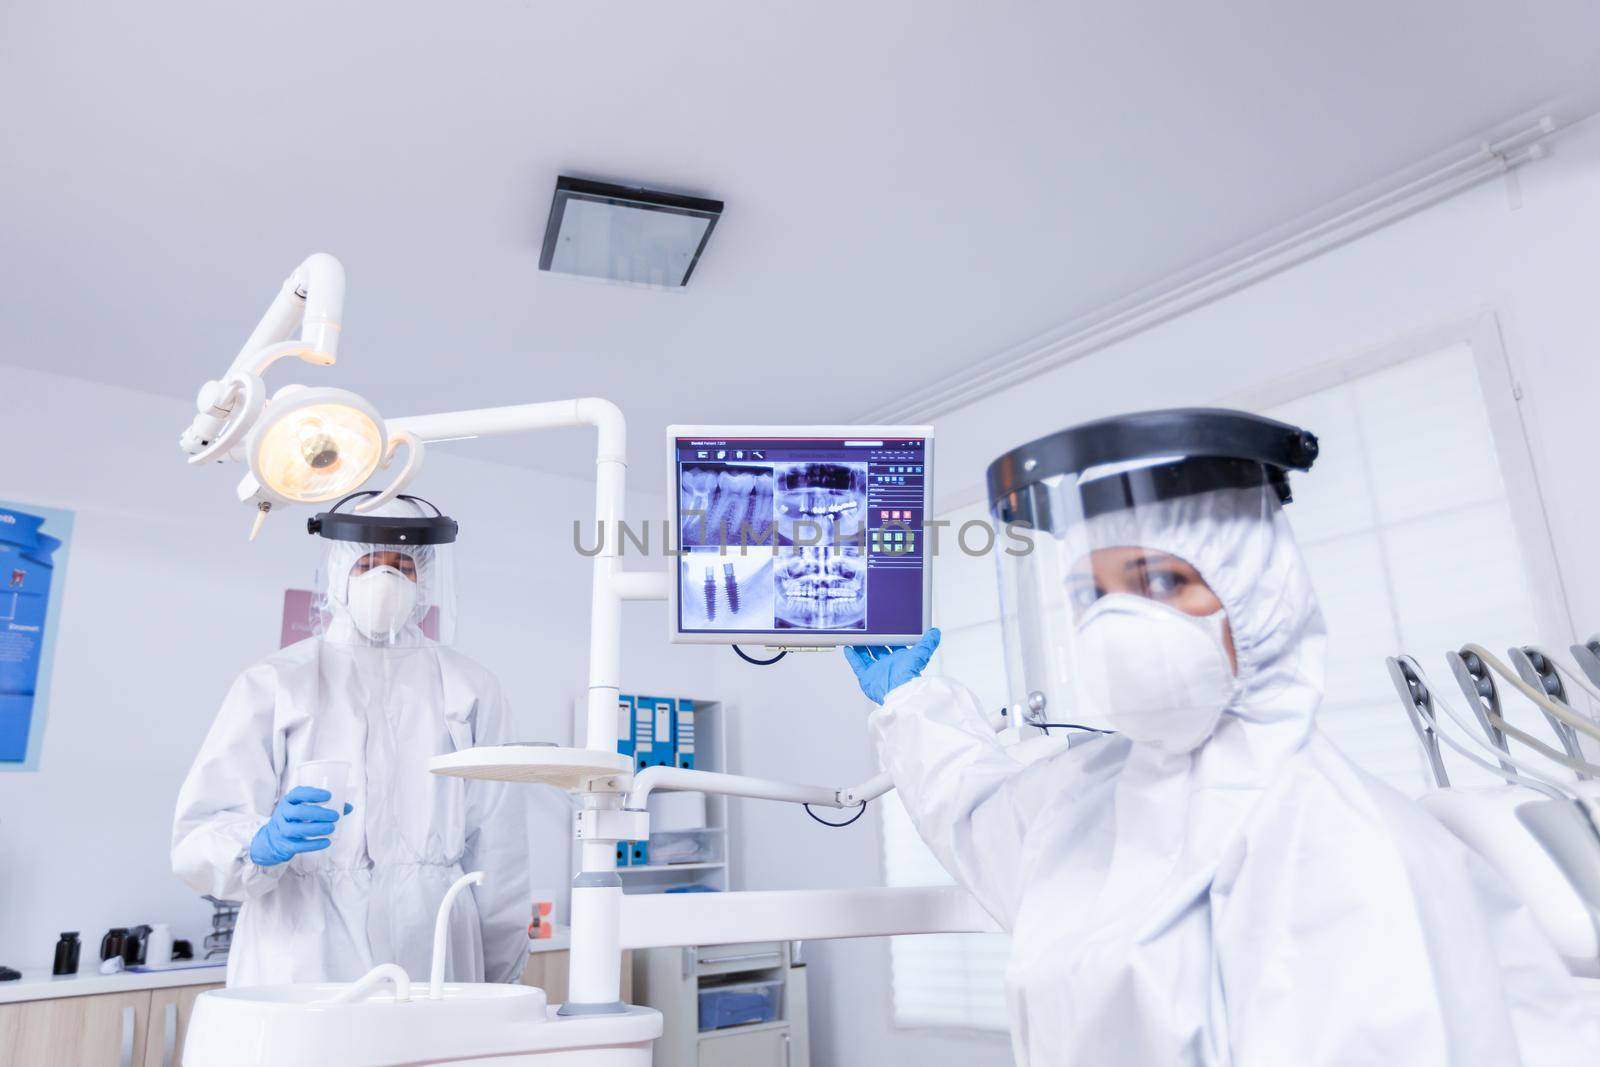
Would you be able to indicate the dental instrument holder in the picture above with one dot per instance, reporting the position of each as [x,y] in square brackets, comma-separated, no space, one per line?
[1538,672]
[1477,685]
[1587,656]
[1414,695]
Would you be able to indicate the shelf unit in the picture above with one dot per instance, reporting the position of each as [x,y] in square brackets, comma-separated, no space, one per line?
[711,746]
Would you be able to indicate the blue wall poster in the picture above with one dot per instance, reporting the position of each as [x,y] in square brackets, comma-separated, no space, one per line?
[33,551]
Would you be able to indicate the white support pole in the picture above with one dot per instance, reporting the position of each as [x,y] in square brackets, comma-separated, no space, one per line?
[594,984]
[595,981]
[605,618]
[662,920]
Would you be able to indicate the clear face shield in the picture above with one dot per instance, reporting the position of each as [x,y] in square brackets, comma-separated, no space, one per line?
[387,579]
[1110,617]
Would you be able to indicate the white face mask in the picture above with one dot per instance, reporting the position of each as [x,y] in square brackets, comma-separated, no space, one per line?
[381,602]
[1156,674]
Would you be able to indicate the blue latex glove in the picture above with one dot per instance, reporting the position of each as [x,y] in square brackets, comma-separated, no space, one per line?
[880,668]
[298,824]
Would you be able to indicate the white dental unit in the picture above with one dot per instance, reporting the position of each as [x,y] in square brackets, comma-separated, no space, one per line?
[308,445]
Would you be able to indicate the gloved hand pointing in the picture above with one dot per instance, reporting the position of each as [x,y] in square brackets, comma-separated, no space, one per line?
[297,825]
[880,668]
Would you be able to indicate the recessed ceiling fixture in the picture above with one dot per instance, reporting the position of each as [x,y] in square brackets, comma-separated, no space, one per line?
[623,234]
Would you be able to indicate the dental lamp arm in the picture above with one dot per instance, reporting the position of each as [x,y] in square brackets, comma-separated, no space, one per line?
[312,297]
[738,785]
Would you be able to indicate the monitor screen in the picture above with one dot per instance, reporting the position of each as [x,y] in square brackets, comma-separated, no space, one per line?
[800,537]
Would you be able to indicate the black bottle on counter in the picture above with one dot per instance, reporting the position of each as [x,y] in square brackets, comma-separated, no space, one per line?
[67,950]
[113,943]
[134,945]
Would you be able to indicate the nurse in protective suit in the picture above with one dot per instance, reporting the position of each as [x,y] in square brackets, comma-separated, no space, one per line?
[378,687]
[1213,883]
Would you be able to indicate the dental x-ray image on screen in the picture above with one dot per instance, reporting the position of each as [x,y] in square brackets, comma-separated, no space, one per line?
[730,590]
[821,503]
[821,588]
[799,536]
[724,504]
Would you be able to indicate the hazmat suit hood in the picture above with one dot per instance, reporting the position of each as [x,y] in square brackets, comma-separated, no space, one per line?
[1252,901]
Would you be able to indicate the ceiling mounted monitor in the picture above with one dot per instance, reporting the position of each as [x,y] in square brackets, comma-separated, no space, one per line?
[627,235]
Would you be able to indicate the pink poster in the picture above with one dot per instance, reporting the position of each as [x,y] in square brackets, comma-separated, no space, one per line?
[300,618]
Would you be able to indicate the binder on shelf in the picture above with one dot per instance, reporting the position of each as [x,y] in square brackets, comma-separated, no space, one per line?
[683,733]
[654,732]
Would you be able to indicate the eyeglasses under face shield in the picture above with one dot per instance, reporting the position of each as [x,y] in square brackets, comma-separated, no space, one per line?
[1118,515]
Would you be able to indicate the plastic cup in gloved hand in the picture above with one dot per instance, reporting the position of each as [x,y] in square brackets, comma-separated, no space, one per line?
[330,774]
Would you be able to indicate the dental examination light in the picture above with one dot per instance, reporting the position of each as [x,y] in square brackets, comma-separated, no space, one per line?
[302,445]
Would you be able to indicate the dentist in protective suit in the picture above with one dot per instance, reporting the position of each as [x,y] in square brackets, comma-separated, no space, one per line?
[327,895]
[1215,883]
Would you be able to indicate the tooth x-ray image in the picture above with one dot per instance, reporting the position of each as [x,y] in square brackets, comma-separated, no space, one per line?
[725,590]
[821,588]
[720,503]
[831,495]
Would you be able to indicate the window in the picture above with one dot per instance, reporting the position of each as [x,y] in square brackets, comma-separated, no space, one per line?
[1413,545]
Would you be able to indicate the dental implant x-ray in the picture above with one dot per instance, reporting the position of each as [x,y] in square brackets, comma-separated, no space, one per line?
[726,590]
[723,504]
[822,504]
[821,588]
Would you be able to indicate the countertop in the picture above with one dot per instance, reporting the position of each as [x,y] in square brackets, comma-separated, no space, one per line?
[42,985]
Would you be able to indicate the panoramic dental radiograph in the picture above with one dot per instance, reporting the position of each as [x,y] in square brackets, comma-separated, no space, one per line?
[831,495]
[821,588]
[720,503]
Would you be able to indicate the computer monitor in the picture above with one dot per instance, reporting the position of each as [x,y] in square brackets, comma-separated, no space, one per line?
[800,536]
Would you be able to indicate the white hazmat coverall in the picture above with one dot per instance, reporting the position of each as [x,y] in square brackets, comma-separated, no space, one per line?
[371,897]
[1257,902]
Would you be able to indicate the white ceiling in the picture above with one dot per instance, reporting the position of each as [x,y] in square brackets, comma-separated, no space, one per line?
[911,185]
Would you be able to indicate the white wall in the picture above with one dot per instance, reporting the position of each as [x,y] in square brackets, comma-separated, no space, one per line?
[1534,268]
[165,601]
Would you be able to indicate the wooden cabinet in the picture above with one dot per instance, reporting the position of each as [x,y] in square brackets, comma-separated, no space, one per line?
[143,1028]
[107,1030]
[170,1010]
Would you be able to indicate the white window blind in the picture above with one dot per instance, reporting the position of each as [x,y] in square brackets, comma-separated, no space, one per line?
[1405,525]
[953,980]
